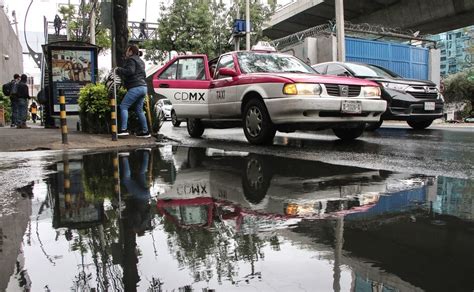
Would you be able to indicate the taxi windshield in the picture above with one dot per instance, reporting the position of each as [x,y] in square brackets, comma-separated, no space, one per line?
[252,62]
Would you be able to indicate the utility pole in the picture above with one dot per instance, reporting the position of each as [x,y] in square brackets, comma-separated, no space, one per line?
[341,45]
[92,25]
[236,36]
[120,31]
[247,25]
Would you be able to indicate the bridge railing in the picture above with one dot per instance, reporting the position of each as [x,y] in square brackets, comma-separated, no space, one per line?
[141,31]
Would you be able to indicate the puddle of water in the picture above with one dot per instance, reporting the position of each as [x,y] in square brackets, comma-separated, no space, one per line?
[190,219]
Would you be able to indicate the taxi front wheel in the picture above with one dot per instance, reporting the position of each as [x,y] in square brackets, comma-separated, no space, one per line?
[258,127]
[195,127]
[349,133]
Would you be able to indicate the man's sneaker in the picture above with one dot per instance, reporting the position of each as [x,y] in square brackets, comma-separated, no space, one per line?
[123,133]
[143,135]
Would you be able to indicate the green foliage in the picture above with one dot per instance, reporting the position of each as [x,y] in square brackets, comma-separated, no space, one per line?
[93,99]
[460,87]
[203,27]
[98,179]
[5,102]
[79,24]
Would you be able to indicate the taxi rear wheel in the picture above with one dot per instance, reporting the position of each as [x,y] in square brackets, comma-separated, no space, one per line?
[195,128]
[258,127]
[347,134]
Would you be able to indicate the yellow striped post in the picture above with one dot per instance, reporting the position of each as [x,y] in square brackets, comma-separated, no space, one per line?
[113,111]
[62,113]
[66,181]
[115,162]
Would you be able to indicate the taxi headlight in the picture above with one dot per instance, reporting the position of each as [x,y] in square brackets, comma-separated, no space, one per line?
[371,91]
[302,89]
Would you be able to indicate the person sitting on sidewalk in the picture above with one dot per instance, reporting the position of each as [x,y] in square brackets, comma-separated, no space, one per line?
[133,74]
[22,102]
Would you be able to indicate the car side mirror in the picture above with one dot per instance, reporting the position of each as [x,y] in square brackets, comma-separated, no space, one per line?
[227,72]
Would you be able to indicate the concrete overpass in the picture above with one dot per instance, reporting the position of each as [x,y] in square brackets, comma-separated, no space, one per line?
[427,16]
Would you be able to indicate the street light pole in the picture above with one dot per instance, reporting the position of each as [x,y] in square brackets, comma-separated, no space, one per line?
[247,25]
[92,25]
[341,46]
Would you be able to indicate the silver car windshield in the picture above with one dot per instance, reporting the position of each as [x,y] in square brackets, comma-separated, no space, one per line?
[370,71]
[253,62]
[166,102]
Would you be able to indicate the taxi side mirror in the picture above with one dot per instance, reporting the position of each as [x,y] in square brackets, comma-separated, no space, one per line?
[227,72]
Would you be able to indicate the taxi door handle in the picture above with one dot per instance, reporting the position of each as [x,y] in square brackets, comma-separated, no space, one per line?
[164,85]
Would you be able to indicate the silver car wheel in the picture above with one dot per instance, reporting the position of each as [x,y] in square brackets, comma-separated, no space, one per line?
[253,121]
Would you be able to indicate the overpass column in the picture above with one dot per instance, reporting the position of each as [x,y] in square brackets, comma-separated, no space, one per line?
[341,45]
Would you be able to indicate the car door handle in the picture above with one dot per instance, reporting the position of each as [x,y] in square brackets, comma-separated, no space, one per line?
[164,85]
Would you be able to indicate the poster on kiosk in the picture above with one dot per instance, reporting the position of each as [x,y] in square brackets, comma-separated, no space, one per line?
[71,67]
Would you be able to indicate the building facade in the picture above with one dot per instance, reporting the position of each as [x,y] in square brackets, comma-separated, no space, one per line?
[457,50]
[11,58]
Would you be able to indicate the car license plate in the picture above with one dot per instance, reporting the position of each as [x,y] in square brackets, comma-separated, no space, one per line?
[430,106]
[351,107]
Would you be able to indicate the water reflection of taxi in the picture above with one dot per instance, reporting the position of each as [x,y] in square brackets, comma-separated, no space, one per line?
[243,187]
[265,92]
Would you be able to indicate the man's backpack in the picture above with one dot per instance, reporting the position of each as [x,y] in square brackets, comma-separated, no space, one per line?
[14,90]
[7,88]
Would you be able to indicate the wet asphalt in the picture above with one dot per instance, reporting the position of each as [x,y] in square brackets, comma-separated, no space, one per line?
[435,151]
[392,210]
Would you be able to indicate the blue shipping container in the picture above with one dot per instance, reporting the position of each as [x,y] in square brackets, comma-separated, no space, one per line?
[405,60]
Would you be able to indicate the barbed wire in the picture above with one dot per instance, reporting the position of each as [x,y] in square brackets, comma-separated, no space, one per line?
[363,30]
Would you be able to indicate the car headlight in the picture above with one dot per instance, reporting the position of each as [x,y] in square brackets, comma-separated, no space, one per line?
[302,89]
[371,91]
[395,86]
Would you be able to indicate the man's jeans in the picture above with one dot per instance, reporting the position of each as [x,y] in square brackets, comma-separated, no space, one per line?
[136,185]
[135,95]
[14,107]
[22,110]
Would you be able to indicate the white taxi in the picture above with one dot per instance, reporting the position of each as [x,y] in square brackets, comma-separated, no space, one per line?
[264,92]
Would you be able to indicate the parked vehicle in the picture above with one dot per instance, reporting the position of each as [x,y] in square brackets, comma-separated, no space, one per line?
[264,92]
[169,112]
[418,102]
[166,106]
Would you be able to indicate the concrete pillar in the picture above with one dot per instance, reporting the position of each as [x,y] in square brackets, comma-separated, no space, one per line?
[326,49]
[341,43]
[434,69]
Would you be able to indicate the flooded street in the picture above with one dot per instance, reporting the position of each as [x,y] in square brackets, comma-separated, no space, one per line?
[204,219]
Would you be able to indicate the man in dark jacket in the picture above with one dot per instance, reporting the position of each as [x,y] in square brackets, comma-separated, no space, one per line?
[22,100]
[13,100]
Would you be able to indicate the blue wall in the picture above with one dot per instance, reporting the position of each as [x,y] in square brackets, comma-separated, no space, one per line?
[405,60]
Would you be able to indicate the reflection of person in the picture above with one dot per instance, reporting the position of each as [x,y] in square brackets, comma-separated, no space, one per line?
[136,216]
[133,74]
[57,24]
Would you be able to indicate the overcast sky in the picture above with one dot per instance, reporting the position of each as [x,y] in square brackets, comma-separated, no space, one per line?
[48,8]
